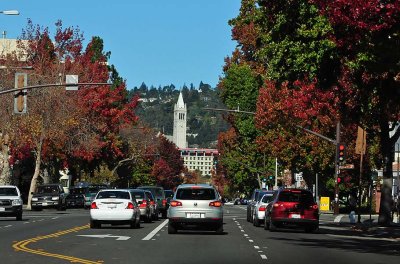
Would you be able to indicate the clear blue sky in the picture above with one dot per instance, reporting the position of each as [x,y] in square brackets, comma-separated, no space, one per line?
[157,42]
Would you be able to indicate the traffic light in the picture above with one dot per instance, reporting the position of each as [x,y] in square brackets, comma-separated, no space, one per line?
[341,153]
[339,180]
[20,98]
[271,177]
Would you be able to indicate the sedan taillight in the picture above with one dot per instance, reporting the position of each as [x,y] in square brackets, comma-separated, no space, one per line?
[93,206]
[130,206]
[175,203]
[143,204]
[215,204]
[261,209]
[164,202]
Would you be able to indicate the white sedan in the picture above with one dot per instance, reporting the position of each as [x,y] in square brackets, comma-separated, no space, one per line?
[116,207]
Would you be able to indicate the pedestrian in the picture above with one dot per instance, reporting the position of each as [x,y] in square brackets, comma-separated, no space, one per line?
[352,200]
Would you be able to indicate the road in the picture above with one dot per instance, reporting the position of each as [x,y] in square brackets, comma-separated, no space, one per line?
[63,237]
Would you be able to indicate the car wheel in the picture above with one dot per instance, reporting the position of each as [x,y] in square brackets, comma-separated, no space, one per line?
[171,229]
[164,214]
[19,216]
[266,224]
[94,224]
[248,215]
[256,222]
[220,230]
[138,223]
[272,226]
[147,219]
[311,228]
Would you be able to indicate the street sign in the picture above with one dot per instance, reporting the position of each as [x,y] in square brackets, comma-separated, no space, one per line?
[324,204]
[71,79]
[346,167]
[361,141]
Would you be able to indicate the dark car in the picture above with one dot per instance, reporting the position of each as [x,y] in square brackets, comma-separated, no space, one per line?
[144,204]
[159,196]
[92,190]
[49,196]
[168,195]
[292,208]
[76,197]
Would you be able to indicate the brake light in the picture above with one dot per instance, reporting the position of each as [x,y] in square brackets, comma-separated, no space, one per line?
[315,207]
[175,203]
[195,187]
[278,205]
[151,202]
[93,206]
[130,206]
[261,209]
[164,202]
[143,204]
[215,204]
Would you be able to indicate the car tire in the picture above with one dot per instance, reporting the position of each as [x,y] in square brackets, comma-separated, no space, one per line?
[171,229]
[266,224]
[138,223]
[272,226]
[248,215]
[19,217]
[220,230]
[311,228]
[148,219]
[94,224]
[256,222]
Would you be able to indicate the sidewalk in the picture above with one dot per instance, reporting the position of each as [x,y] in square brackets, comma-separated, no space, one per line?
[366,228]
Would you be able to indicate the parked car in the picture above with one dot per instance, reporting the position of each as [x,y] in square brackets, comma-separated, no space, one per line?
[10,202]
[49,196]
[292,208]
[153,205]
[255,197]
[159,196]
[144,204]
[76,197]
[260,206]
[91,192]
[116,207]
[195,205]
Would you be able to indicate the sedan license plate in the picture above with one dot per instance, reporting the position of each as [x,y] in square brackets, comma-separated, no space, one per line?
[195,215]
[295,216]
[2,209]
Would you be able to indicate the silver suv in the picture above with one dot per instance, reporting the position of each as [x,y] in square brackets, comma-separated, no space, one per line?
[10,201]
[195,205]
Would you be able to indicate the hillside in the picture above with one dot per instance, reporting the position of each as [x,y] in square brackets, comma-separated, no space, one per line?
[157,106]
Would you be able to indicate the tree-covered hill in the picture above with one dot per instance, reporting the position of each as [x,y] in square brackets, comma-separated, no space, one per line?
[156,110]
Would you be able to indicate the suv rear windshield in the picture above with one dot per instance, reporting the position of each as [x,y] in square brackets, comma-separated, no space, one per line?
[138,195]
[300,197]
[195,194]
[8,192]
[158,192]
[47,189]
[113,194]
[267,198]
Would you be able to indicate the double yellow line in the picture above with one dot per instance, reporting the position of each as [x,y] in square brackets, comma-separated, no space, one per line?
[22,246]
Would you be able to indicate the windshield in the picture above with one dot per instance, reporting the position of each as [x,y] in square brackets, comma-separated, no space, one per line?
[267,198]
[113,194]
[8,192]
[77,191]
[301,197]
[195,194]
[47,189]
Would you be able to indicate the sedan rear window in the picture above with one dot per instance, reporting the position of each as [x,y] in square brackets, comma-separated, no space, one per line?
[301,197]
[113,194]
[195,194]
[267,198]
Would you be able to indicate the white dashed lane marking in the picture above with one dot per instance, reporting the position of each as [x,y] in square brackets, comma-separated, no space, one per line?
[250,240]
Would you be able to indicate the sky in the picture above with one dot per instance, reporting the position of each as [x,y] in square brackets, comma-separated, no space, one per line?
[158,42]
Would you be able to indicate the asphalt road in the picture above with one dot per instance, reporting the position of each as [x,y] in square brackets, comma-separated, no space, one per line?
[65,237]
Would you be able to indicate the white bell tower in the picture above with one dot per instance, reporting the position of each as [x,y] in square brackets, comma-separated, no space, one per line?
[180,117]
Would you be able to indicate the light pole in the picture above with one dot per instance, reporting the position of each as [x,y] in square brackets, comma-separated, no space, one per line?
[10,12]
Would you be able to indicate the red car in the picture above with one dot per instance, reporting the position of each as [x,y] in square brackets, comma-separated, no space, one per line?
[292,208]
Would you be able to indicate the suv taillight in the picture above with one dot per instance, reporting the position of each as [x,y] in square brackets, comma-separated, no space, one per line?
[215,204]
[315,206]
[276,205]
[175,203]
[93,206]
[261,209]
[143,204]
[130,206]
[152,203]
[164,202]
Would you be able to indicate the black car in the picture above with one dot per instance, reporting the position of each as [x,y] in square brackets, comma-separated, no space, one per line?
[76,197]
[49,196]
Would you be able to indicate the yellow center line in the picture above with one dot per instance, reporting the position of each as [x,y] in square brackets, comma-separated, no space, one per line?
[22,246]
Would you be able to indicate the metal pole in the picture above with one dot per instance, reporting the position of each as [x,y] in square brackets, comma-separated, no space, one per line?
[276,174]
[316,189]
[336,198]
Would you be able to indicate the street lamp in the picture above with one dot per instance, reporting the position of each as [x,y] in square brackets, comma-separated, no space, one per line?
[10,12]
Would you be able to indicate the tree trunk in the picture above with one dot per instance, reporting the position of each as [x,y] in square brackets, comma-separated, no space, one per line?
[386,189]
[36,173]
[5,177]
